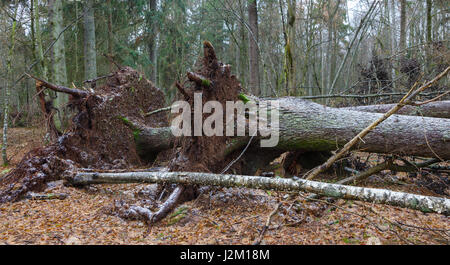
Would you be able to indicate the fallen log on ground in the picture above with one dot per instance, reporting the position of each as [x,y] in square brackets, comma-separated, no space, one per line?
[381,196]
[438,109]
[308,126]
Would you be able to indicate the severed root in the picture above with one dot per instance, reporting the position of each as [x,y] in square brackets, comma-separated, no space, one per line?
[135,212]
[168,205]
[199,79]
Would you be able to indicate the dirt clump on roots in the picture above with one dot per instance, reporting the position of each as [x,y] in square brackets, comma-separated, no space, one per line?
[200,153]
[99,136]
[214,81]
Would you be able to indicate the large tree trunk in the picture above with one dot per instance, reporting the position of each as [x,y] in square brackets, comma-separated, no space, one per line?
[90,54]
[402,44]
[308,126]
[152,52]
[290,48]
[59,56]
[8,88]
[253,47]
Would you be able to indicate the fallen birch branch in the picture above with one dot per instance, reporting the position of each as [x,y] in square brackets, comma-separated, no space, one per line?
[48,196]
[381,196]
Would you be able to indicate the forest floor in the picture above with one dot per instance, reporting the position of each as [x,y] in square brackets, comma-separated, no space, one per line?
[224,216]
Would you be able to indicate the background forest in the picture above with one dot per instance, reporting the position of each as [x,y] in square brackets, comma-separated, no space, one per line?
[276,48]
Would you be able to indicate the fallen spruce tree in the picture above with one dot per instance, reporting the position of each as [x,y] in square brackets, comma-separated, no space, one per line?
[310,126]
[118,126]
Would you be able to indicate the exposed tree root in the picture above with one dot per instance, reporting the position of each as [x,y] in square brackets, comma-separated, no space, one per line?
[201,154]
[97,136]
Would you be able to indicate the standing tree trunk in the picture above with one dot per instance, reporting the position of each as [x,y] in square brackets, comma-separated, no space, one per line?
[429,4]
[243,61]
[40,52]
[393,31]
[290,47]
[429,40]
[402,44]
[7,88]
[110,32]
[332,8]
[59,56]
[90,54]
[253,47]
[152,52]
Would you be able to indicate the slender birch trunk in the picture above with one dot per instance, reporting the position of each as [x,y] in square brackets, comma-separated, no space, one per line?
[7,88]
[380,196]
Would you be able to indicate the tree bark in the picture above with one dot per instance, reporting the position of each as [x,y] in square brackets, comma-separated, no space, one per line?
[90,54]
[290,48]
[253,47]
[428,37]
[152,52]
[381,196]
[308,126]
[59,56]
[8,88]
[39,49]
[438,109]
[402,44]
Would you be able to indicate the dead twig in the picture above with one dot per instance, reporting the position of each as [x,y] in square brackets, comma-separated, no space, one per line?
[199,79]
[388,165]
[48,196]
[72,91]
[157,111]
[266,226]
[430,100]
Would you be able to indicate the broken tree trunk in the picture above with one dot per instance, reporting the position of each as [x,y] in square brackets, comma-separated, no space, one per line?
[438,109]
[382,196]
